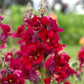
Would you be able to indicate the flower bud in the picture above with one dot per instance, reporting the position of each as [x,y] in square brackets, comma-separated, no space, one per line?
[1,18]
[29,7]
[25,19]
[42,12]
[17,72]
[10,70]
[3,71]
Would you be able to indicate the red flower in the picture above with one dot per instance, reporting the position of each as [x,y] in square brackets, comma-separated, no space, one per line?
[58,67]
[4,33]
[15,64]
[38,23]
[60,76]
[35,22]
[50,39]
[68,70]
[12,79]
[28,62]
[53,25]
[19,31]
[45,21]
[29,36]
[36,51]
[2,44]
[62,59]
[62,65]
[32,55]
[8,57]
[47,80]
[49,61]
[5,28]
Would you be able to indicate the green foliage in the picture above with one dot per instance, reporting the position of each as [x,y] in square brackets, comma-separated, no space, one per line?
[17,15]
[73,27]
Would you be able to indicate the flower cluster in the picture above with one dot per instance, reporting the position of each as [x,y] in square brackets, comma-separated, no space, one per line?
[57,66]
[4,33]
[11,77]
[39,48]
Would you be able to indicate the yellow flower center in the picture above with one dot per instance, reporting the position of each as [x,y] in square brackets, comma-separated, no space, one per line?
[25,18]
[9,56]
[10,80]
[48,40]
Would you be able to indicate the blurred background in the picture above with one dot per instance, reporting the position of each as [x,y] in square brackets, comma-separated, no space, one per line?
[69,15]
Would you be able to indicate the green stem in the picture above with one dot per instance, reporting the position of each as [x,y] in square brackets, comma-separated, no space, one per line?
[43,74]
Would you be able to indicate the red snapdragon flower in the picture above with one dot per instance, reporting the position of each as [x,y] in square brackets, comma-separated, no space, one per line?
[29,35]
[62,59]
[47,80]
[38,22]
[60,76]
[62,65]
[12,79]
[53,25]
[4,33]
[49,61]
[5,28]
[68,70]
[8,57]
[58,66]
[15,64]
[45,21]
[50,39]
[32,55]
[19,31]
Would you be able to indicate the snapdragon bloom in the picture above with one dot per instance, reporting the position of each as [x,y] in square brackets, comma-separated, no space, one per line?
[12,79]
[32,55]
[38,23]
[4,33]
[58,67]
